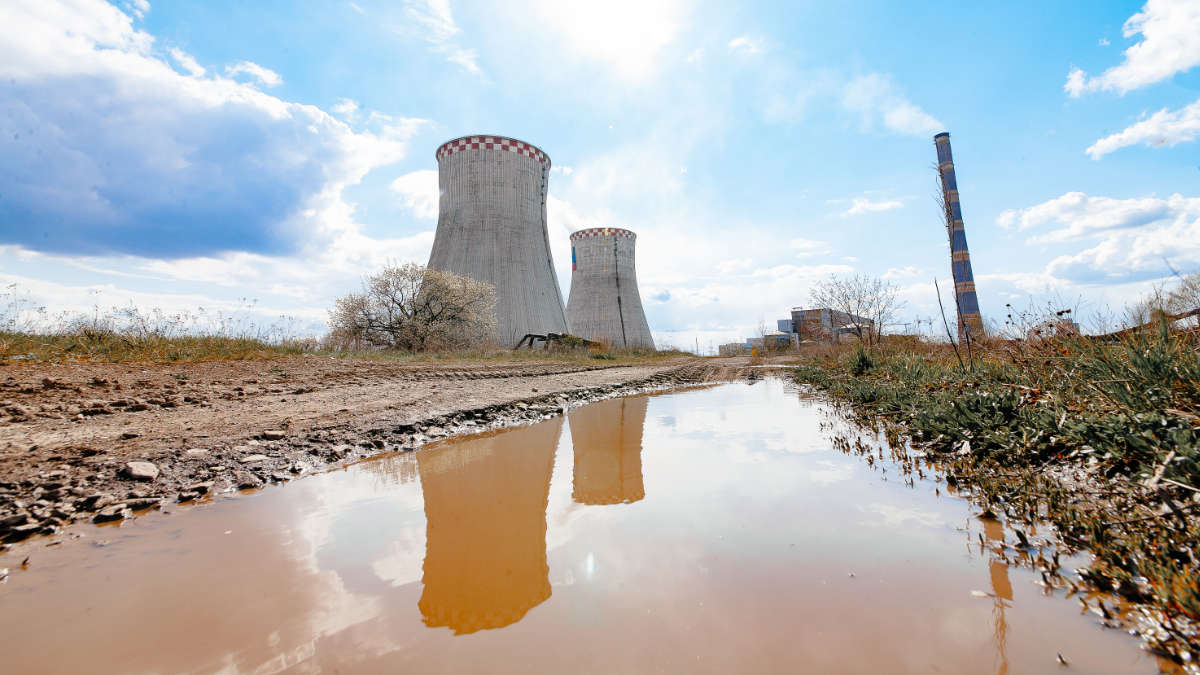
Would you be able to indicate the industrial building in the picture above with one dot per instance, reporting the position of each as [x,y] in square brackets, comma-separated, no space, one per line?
[605,305]
[827,325]
[965,300]
[492,227]
[608,456]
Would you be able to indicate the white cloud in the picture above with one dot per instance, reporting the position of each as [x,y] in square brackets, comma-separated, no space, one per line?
[345,108]
[1163,128]
[420,193]
[467,59]
[877,100]
[265,76]
[139,8]
[746,45]
[1104,42]
[122,154]
[1084,216]
[861,205]
[626,34]
[1135,239]
[186,62]
[356,8]
[809,247]
[433,21]
[1170,44]
[906,272]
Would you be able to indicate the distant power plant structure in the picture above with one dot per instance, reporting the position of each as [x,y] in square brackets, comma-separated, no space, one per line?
[605,305]
[492,227]
[970,322]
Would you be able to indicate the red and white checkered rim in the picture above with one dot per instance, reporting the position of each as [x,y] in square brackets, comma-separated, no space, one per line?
[603,232]
[492,143]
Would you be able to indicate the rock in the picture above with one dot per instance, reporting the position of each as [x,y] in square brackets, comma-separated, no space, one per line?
[139,503]
[13,520]
[22,532]
[274,435]
[196,452]
[95,502]
[187,497]
[129,434]
[246,480]
[253,459]
[141,471]
[111,513]
[201,488]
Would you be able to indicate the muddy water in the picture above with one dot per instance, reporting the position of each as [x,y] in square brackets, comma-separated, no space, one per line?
[713,530]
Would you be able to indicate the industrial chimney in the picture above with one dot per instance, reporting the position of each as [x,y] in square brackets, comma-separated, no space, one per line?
[492,227]
[604,304]
[965,300]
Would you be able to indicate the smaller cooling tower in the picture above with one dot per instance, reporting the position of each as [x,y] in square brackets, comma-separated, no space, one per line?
[604,304]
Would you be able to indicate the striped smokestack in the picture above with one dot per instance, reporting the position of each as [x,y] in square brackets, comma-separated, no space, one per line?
[965,299]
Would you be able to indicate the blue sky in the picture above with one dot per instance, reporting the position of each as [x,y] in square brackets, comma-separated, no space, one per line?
[182,155]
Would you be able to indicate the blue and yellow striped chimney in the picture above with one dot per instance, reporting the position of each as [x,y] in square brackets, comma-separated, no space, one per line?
[960,259]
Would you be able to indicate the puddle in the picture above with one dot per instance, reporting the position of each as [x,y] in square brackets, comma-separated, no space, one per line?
[713,530]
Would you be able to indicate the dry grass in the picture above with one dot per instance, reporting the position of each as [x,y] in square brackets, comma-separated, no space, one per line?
[123,335]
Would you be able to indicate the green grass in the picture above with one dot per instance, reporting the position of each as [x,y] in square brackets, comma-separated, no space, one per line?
[1125,412]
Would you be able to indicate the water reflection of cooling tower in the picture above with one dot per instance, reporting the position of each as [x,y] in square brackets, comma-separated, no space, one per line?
[607,437]
[485,538]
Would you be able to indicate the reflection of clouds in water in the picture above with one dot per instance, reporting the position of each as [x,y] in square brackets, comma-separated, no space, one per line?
[736,418]
[895,515]
[829,472]
[402,563]
[333,607]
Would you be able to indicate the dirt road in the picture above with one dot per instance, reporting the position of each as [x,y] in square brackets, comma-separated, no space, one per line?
[102,441]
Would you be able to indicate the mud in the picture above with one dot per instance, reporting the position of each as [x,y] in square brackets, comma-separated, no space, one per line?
[102,442]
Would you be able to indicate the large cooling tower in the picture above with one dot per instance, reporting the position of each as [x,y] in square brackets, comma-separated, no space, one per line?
[604,304]
[492,227]
[485,532]
[966,301]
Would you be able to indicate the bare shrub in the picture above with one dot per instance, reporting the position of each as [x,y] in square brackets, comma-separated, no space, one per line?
[859,296]
[412,308]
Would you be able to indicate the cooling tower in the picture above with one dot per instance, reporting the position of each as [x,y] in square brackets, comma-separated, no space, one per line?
[607,441]
[604,304]
[485,527]
[492,227]
[966,301]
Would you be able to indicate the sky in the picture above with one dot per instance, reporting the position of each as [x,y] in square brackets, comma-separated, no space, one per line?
[260,158]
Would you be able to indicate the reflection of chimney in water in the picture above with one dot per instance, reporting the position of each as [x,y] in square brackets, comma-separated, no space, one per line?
[607,437]
[993,530]
[485,534]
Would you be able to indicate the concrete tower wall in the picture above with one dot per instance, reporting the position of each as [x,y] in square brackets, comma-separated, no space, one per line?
[604,304]
[492,227]
[966,300]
